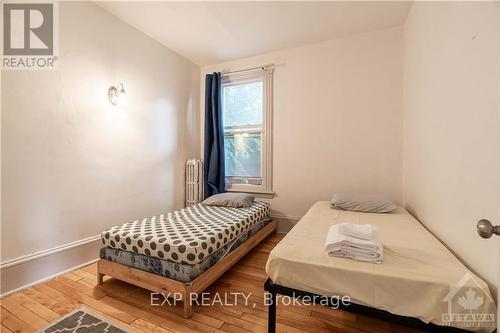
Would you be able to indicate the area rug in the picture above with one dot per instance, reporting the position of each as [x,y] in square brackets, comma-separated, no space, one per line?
[84,320]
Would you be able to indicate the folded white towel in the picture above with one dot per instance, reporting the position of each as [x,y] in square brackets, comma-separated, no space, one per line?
[363,231]
[340,245]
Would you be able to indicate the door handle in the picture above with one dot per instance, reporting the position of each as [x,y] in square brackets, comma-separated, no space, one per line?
[485,229]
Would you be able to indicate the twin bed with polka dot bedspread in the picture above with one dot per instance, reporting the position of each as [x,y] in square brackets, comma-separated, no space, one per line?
[186,236]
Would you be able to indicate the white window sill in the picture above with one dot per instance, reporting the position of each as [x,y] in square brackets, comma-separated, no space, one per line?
[258,194]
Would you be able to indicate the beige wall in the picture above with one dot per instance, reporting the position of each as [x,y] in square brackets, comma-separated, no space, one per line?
[451,125]
[337,118]
[72,164]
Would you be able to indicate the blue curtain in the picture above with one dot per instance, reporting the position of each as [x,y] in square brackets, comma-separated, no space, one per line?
[215,176]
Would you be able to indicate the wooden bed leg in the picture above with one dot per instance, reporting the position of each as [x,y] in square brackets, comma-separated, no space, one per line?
[100,278]
[186,299]
[188,309]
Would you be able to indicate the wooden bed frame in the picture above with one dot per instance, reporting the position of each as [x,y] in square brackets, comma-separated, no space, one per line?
[163,284]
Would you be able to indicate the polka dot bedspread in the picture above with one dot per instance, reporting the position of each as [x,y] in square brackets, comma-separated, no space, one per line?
[174,270]
[188,235]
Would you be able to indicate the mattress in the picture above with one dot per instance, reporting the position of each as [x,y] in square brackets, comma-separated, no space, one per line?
[188,235]
[173,270]
[419,277]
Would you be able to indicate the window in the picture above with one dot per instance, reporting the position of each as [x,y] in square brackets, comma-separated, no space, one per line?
[246,109]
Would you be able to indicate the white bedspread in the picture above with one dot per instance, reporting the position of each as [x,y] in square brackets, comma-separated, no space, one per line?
[413,280]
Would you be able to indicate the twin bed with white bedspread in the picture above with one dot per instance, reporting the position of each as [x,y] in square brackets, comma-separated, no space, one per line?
[419,277]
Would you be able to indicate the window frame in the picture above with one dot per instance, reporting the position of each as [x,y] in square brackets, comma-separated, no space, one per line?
[266,77]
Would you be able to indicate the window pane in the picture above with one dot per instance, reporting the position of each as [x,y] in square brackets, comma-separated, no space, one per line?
[242,155]
[242,104]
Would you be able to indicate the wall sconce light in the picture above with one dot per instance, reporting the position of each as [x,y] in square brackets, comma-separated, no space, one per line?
[117,94]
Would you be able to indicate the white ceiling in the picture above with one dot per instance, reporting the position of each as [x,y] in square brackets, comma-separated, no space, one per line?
[213,32]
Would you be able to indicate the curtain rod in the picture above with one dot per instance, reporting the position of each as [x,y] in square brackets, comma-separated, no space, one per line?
[262,68]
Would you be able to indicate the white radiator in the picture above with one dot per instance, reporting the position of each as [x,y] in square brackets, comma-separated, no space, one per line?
[194,182]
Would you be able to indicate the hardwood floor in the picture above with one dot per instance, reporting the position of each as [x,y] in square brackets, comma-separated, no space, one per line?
[34,308]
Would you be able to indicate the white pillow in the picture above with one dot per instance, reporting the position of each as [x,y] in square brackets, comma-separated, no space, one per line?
[362,203]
